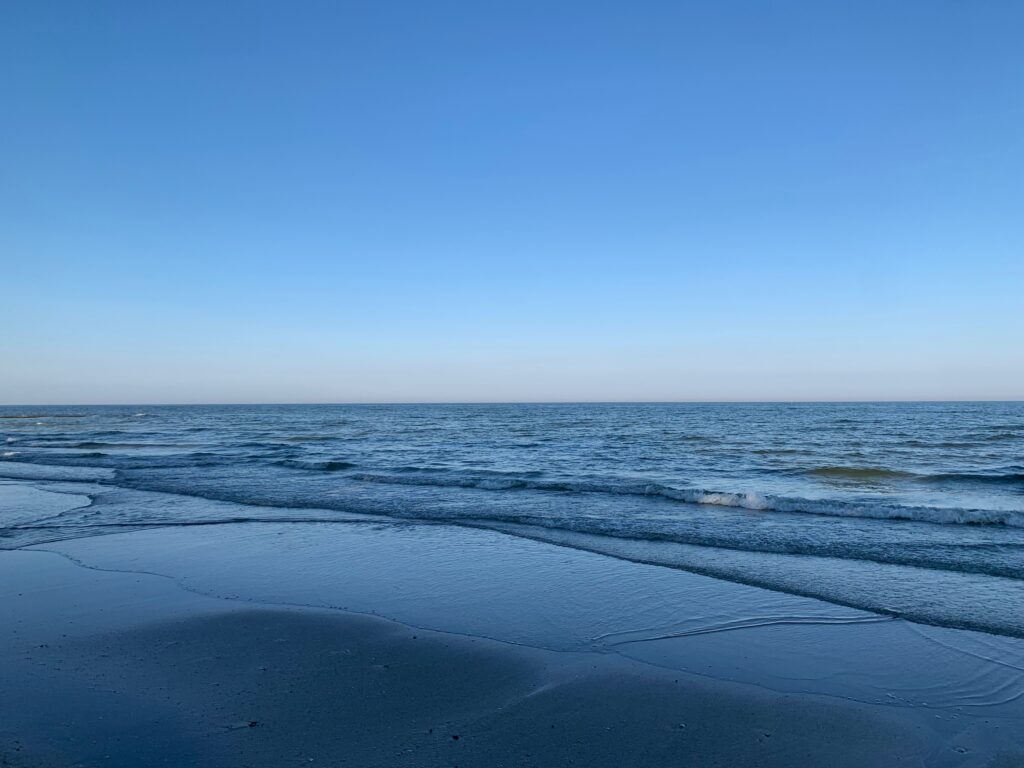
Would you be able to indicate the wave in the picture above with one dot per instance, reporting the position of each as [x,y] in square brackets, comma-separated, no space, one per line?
[44,416]
[858,473]
[697,496]
[120,462]
[498,481]
[1010,475]
[659,534]
[57,457]
[999,475]
[984,559]
[22,470]
[995,437]
[101,444]
[316,466]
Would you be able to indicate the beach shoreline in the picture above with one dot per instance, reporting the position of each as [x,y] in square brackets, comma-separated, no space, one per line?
[212,682]
[168,646]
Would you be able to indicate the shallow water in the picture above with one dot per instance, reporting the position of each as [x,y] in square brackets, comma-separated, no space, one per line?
[483,584]
[915,510]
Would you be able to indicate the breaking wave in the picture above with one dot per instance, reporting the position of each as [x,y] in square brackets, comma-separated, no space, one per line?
[749,501]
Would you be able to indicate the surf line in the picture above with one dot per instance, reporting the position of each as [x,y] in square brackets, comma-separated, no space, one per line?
[732,626]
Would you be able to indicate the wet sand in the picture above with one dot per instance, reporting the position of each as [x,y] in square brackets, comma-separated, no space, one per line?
[119,669]
[367,641]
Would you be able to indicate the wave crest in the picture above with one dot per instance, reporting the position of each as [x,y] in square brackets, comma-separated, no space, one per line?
[698,496]
[858,473]
[316,466]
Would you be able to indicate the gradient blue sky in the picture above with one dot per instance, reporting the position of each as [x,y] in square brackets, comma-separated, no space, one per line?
[409,201]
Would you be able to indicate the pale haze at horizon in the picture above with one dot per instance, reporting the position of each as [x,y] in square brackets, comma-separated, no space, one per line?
[350,202]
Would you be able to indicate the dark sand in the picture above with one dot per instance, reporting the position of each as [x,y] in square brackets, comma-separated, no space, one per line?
[112,669]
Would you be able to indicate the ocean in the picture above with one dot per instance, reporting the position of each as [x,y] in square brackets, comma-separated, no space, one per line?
[906,509]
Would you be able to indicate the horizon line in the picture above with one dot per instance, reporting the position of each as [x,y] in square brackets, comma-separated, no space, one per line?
[780,401]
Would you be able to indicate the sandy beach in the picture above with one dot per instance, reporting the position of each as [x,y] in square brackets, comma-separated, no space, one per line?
[146,674]
[257,645]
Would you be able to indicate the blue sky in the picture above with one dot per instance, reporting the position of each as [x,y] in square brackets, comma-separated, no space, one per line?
[433,201]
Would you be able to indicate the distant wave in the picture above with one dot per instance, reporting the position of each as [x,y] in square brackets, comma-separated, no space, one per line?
[316,466]
[858,473]
[1000,475]
[1010,476]
[100,444]
[62,458]
[996,436]
[44,416]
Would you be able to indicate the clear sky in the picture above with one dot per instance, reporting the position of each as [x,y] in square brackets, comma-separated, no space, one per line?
[431,201]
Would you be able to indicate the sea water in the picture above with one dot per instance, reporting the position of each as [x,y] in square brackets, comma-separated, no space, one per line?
[906,509]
